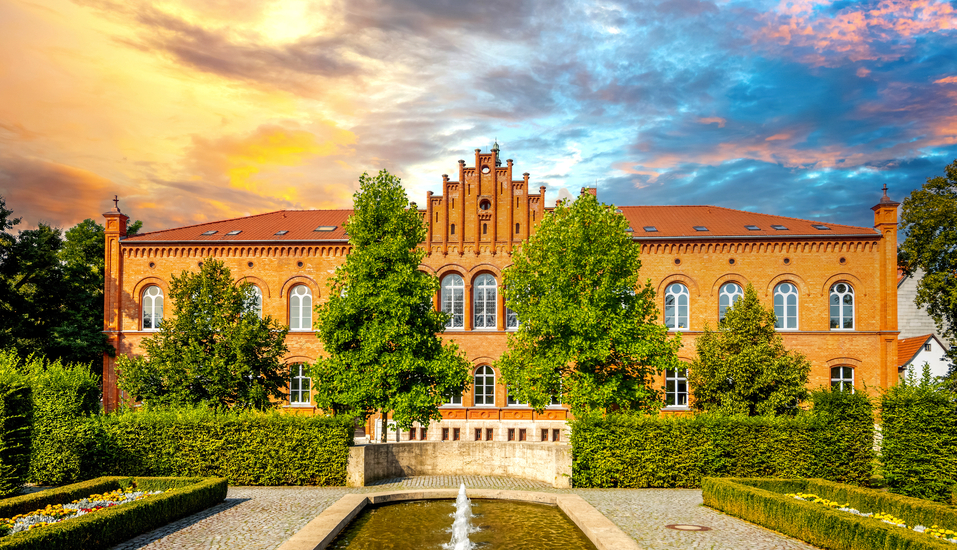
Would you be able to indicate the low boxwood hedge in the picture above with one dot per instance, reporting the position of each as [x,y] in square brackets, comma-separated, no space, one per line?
[762,501]
[107,527]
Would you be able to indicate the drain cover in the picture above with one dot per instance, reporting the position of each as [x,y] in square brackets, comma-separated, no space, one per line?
[686,527]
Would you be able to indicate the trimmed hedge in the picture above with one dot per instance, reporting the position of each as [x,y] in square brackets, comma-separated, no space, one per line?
[111,526]
[762,501]
[245,448]
[16,427]
[678,451]
[919,448]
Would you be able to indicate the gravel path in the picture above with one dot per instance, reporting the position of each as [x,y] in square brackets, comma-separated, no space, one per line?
[261,518]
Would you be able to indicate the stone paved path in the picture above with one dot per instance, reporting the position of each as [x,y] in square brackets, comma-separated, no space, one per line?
[261,518]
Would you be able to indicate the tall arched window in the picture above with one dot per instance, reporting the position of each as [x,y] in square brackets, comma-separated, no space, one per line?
[453,300]
[842,307]
[677,299]
[300,308]
[786,306]
[730,293]
[152,307]
[299,385]
[256,301]
[842,378]
[484,386]
[483,303]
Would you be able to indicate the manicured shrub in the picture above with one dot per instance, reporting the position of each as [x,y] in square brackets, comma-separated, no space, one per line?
[16,423]
[762,501]
[919,448]
[105,528]
[246,448]
[678,451]
[64,396]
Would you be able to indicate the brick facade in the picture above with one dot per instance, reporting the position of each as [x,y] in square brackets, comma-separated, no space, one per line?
[474,226]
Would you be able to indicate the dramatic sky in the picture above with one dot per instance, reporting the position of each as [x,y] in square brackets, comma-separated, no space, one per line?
[207,109]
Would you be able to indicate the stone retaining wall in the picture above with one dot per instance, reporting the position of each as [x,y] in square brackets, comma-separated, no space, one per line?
[537,461]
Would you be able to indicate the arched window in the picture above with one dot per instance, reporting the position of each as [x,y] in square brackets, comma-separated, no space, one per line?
[453,300]
[152,307]
[677,299]
[256,301]
[842,379]
[484,386]
[730,293]
[786,306]
[676,388]
[299,385]
[483,304]
[842,307]
[300,308]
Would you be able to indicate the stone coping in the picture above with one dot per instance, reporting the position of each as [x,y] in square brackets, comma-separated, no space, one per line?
[320,532]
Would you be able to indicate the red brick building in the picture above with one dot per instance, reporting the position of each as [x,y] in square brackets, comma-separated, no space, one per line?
[834,286]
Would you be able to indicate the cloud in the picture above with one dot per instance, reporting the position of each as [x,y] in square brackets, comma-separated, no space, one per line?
[47,192]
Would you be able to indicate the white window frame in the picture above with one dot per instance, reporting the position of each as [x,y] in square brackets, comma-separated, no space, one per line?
[512,321]
[677,291]
[677,377]
[258,295]
[512,402]
[782,320]
[297,377]
[485,298]
[730,292]
[453,300]
[300,323]
[150,307]
[486,373]
[841,380]
[842,307]
[454,401]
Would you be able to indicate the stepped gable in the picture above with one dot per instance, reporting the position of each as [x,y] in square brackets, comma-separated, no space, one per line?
[680,222]
[299,225]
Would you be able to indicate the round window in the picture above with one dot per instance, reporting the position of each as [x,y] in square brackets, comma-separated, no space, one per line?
[485,204]
[486,169]
[841,288]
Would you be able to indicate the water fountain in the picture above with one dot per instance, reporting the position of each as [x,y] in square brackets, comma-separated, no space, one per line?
[461,525]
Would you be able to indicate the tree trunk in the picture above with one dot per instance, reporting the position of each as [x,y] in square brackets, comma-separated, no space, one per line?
[385,427]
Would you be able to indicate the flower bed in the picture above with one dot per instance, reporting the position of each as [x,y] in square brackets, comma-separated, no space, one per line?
[818,518]
[103,512]
[933,531]
[55,513]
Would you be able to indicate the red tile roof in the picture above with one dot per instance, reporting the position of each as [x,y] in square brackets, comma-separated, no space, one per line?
[680,221]
[908,348]
[300,225]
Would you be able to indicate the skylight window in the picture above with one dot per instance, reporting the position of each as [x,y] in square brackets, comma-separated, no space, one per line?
[283,232]
[629,230]
[779,227]
[618,210]
[235,232]
[752,228]
[211,232]
[700,228]
[820,227]
[650,229]
[325,228]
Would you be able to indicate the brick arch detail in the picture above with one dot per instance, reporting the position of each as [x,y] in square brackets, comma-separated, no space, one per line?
[256,281]
[729,278]
[427,269]
[453,268]
[485,361]
[300,280]
[290,359]
[844,361]
[679,278]
[483,268]
[846,278]
[793,278]
[478,271]
[149,281]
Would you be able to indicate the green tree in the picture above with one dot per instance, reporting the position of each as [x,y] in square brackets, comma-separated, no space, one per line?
[744,368]
[929,221]
[379,328]
[586,335]
[214,349]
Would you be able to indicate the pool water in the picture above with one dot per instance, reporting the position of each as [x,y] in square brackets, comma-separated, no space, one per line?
[498,524]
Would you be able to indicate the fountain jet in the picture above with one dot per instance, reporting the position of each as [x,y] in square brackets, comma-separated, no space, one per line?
[460,526]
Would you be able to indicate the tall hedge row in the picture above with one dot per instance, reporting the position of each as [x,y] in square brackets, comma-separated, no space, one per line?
[919,448]
[16,424]
[245,448]
[835,442]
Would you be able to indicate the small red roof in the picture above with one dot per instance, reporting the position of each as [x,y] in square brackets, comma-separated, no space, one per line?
[680,221]
[908,348]
[299,225]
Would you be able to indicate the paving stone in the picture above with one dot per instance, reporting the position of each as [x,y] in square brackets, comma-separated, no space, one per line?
[262,518]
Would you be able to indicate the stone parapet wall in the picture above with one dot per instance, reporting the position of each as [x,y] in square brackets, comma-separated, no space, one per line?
[549,463]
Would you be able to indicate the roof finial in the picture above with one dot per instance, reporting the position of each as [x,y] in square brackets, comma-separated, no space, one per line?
[885,189]
[116,201]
